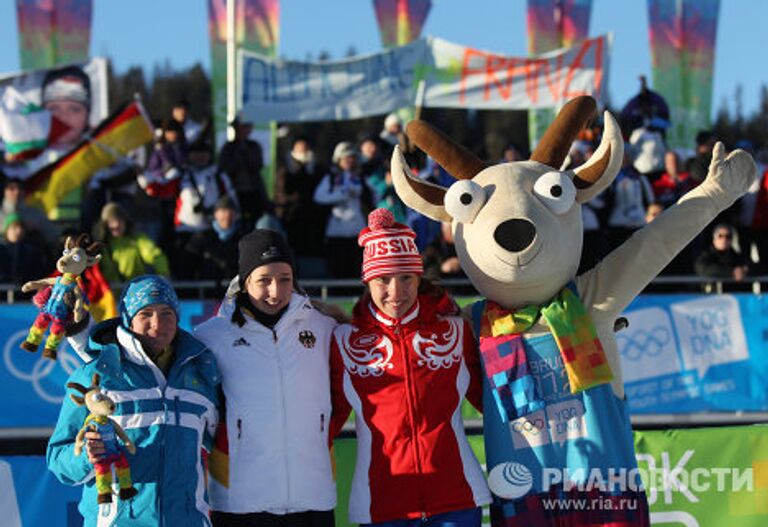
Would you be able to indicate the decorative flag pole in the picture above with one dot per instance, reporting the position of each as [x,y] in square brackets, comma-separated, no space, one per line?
[231,67]
[53,32]
[234,25]
[400,23]
[553,24]
[682,35]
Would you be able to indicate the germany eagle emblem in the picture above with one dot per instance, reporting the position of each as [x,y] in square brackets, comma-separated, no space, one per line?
[307,339]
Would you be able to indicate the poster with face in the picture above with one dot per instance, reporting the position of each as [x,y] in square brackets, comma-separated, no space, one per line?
[76,95]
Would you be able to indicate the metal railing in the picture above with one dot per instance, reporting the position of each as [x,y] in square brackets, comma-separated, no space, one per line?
[352,288]
[639,422]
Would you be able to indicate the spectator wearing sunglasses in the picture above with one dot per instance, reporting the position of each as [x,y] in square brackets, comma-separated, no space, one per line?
[720,259]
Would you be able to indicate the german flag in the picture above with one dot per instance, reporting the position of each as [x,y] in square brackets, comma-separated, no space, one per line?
[218,460]
[126,129]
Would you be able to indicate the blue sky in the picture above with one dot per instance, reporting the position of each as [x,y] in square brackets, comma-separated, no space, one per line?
[146,32]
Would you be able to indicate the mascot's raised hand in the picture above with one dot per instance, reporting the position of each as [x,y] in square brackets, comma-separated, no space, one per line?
[733,174]
[556,422]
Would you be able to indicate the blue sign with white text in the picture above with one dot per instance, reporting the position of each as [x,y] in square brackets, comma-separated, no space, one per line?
[32,387]
[680,354]
[692,353]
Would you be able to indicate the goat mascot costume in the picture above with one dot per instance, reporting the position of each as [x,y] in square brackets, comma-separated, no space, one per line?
[557,427]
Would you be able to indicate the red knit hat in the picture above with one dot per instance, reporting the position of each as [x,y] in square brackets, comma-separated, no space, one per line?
[388,247]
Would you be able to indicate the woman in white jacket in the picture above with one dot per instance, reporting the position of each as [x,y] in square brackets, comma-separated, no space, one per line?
[349,197]
[271,464]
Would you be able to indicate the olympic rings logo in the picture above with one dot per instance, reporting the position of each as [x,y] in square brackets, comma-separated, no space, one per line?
[41,369]
[642,342]
[527,427]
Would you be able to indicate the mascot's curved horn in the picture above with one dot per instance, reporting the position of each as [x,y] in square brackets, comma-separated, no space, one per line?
[557,139]
[590,178]
[454,158]
[601,168]
[419,195]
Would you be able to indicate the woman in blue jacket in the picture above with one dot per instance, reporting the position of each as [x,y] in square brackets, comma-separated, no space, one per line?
[165,384]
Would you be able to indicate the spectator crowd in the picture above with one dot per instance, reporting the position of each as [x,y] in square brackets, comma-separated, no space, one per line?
[178,210]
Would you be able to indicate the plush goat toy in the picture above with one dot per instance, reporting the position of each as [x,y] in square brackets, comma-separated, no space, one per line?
[60,308]
[101,407]
[556,421]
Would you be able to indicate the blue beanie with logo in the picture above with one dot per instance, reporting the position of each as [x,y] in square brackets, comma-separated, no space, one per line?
[144,291]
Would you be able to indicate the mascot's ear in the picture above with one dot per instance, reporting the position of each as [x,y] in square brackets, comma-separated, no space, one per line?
[79,401]
[599,171]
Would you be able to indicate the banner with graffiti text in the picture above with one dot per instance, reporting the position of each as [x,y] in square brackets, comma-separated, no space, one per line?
[693,353]
[445,75]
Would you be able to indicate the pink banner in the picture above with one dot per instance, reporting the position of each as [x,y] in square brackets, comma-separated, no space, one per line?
[257,24]
[257,28]
[400,21]
[53,32]
[554,24]
[682,35]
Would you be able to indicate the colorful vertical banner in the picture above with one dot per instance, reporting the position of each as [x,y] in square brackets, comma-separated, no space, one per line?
[553,24]
[682,35]
[257,27]
[53,32]
[400,21]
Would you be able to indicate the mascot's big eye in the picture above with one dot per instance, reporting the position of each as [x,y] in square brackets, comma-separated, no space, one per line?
[97,397]
[65,252]
[76,257]
[464,200]
[556,190]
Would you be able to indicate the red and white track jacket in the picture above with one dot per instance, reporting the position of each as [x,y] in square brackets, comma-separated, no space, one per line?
[406,380]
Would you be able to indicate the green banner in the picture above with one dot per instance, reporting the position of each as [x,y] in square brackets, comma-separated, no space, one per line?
[682,35]
[708,477]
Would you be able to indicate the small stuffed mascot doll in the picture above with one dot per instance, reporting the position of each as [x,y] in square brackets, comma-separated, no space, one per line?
[59,309]
[101,407]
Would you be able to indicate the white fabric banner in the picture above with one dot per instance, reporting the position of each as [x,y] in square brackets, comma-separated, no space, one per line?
[444,75]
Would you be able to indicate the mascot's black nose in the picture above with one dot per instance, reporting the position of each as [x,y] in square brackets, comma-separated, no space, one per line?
[515,235]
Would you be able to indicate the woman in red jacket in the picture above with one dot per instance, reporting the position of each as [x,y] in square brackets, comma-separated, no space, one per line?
[404,365]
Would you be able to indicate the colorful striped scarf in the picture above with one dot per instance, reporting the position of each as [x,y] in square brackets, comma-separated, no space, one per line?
[505,359]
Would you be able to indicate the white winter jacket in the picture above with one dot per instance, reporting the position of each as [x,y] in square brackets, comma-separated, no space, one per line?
[277,390]
[346,219]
